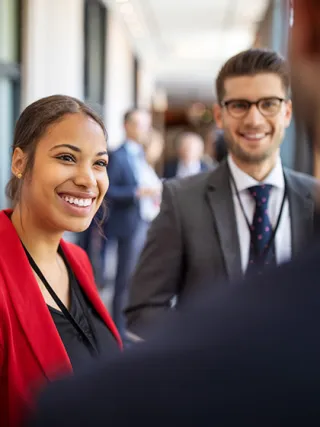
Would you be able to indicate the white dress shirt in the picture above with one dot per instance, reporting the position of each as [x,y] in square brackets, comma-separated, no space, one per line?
[192,168]
[283,245]
[146,177]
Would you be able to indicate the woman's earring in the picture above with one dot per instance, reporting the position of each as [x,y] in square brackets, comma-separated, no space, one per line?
[19,175]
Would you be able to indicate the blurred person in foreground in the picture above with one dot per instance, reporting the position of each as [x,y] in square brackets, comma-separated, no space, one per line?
[245,216]
[248,356]
[52,321]
[133,201]
[190,149]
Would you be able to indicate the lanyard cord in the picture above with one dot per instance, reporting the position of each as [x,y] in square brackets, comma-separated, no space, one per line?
[274,232]
[60,304]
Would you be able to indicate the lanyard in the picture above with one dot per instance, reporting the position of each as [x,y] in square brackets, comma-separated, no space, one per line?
[60,304]
[274,231]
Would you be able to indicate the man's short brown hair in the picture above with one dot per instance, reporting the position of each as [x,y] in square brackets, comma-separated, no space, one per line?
[251,62]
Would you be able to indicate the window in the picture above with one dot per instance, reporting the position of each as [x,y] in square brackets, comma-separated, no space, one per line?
[94,60]
[9,84]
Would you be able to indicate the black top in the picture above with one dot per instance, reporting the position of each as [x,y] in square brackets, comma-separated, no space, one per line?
[93,339]
[79,350]
[84,334]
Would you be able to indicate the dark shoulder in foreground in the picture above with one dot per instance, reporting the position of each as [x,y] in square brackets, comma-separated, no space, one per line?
[246,356]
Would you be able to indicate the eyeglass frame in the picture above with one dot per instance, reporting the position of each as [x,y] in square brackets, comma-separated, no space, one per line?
[224,104]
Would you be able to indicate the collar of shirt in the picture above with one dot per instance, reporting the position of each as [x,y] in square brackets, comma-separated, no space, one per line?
[133,148]
[244,181]
[194,166]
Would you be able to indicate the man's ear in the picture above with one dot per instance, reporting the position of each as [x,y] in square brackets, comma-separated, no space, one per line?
[217,114]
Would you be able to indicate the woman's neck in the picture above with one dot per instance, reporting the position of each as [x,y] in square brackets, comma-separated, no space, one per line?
[41,244]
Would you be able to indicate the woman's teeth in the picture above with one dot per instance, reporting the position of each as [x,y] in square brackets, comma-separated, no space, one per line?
[77,202]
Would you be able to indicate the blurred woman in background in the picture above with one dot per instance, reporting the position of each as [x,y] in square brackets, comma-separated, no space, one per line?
[52,320]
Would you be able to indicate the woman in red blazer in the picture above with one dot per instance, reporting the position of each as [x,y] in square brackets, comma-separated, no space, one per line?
[52,320]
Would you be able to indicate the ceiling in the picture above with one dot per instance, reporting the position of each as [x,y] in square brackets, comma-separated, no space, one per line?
[186,41]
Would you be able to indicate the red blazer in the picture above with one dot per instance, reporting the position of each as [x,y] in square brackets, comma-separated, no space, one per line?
[31,351]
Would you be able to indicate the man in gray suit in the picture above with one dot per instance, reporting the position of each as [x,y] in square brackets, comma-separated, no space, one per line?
[247,214]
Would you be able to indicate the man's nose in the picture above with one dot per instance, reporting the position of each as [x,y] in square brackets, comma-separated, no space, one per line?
[254,116]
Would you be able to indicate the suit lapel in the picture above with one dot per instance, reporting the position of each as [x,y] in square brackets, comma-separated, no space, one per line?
[219,195]
[220,200]
[301,207]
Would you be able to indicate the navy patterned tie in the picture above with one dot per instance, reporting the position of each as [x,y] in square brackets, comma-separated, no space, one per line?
[261,231]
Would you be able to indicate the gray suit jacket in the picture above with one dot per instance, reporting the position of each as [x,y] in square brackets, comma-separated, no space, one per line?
[194,241]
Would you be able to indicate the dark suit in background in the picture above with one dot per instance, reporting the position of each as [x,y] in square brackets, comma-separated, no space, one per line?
[171,168]
[194,241]
[123,205]
[220,147]
[122,210]
[246,357]
[122,225]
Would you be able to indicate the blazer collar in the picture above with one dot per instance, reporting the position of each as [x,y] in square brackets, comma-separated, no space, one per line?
[302,209]
[28,304]
[219,197]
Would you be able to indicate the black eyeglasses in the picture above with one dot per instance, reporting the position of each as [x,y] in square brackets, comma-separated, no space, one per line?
[239,108]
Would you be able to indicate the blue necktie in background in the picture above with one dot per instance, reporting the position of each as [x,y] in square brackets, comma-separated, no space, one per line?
[261,231]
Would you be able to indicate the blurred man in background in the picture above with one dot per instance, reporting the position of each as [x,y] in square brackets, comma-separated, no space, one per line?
[194,120]
[133,201]
[190,150]
[247,357]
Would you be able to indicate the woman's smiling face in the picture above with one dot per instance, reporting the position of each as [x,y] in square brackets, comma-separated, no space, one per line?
[68,180]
